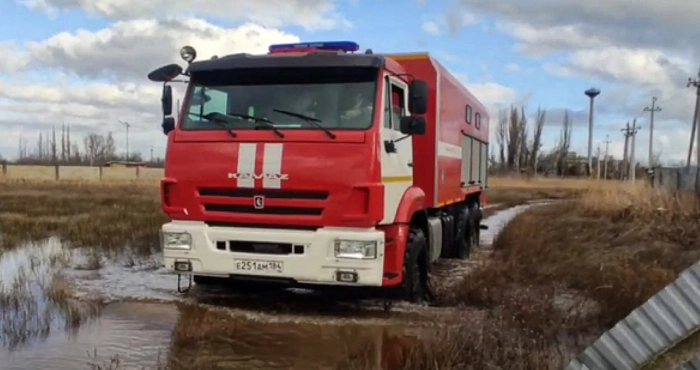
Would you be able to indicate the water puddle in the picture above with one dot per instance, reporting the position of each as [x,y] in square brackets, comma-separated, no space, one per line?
[138,332]
[35,299]
[128,306]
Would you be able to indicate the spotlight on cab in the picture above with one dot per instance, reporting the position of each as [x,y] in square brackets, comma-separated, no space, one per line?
[188,54]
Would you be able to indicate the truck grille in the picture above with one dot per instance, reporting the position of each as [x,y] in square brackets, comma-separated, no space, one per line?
[259,247]
[277,202]
[267,193]
[268,210]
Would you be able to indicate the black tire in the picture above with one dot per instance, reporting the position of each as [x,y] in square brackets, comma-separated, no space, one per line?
[462,245]
[414,287]
[478,213]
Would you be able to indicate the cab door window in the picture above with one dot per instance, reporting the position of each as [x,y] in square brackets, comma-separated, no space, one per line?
[395,107]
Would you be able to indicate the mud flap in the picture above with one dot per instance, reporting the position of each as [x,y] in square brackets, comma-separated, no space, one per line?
[180,288]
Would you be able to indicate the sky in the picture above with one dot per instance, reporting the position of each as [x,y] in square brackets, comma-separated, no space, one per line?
[84,62]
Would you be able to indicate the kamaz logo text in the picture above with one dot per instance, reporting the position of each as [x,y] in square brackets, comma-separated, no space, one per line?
[258,176]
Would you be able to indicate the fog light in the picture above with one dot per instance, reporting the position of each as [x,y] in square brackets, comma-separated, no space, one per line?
[183,266]
[346,276]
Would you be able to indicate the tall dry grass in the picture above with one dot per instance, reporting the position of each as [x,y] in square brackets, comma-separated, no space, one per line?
[83,214]
[514,190]
[562,274]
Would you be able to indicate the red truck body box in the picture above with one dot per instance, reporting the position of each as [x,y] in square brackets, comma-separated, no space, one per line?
[450,160]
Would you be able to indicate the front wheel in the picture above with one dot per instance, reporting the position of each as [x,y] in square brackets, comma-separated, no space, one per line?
[414,287]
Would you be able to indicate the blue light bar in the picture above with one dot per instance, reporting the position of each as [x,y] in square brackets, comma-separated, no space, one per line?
[346,46]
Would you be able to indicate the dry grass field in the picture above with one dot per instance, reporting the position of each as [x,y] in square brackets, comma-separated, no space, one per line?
[559,276]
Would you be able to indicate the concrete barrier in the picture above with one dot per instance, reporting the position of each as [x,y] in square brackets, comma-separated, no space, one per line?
[80,173]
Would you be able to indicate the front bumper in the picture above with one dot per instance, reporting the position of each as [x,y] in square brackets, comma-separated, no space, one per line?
[312,261]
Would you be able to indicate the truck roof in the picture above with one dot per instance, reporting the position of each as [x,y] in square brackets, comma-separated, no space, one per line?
[312,59]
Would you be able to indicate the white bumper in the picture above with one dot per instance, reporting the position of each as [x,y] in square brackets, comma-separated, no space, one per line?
[316,264]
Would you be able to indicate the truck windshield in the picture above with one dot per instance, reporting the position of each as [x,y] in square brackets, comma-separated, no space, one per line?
[335,98]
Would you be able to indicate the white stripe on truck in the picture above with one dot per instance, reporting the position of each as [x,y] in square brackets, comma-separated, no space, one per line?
[246,164]
[271,169]
[272,163]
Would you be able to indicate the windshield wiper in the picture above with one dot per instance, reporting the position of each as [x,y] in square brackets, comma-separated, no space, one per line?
[310,120]
[265,122]
[221,120]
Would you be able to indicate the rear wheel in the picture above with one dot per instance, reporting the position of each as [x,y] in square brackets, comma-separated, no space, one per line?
[463,242]
[414,287]
[477,216]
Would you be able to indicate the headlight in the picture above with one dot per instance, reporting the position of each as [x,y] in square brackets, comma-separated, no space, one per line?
[177,241]
[359,249]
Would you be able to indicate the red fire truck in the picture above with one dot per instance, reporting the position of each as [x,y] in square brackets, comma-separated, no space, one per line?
[318,166]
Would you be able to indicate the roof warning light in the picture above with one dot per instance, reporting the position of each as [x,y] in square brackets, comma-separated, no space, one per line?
[344,46]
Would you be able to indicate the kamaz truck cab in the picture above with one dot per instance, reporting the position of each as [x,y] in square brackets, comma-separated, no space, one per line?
[296,168]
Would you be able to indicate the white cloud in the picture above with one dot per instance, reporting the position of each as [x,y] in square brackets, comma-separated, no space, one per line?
[130,49]
[492,95]
[310,14]
[458,19]
[639,49]
[431,27]
[513,67]
[125,52]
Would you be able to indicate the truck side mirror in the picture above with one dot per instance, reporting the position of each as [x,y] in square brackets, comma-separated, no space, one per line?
[418,93]
[168,124]
[167,100]
[412,125]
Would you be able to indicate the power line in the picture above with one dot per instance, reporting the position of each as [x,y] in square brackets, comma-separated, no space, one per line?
[651,111]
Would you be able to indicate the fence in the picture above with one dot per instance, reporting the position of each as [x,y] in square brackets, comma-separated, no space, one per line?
[80,173]
[677,178]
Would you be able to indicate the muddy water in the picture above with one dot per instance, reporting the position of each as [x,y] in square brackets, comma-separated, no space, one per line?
[129,308]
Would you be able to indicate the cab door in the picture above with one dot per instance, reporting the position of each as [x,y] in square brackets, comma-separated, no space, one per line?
[397,149]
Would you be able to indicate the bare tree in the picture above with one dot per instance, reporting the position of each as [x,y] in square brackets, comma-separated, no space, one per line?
[54,154]
[564,143]
[537,138]
[94,147]
[501,135]
[513,135]
[523,150]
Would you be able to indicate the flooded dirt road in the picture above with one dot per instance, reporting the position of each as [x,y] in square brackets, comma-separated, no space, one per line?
[128,307]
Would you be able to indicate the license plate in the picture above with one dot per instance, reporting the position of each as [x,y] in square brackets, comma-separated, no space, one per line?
[258,265]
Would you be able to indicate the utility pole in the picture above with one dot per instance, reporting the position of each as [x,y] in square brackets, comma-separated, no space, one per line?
[695,83]
[607,146]
[591,93]
[625,158]
[127,125]
[151,153]
[651,111]
[633,167]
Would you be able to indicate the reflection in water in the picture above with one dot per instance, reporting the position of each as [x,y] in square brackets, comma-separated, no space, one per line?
[209,339]
[188,336]
[135,331]
[34,297]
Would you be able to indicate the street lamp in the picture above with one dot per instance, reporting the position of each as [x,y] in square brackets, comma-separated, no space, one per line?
[591,93]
